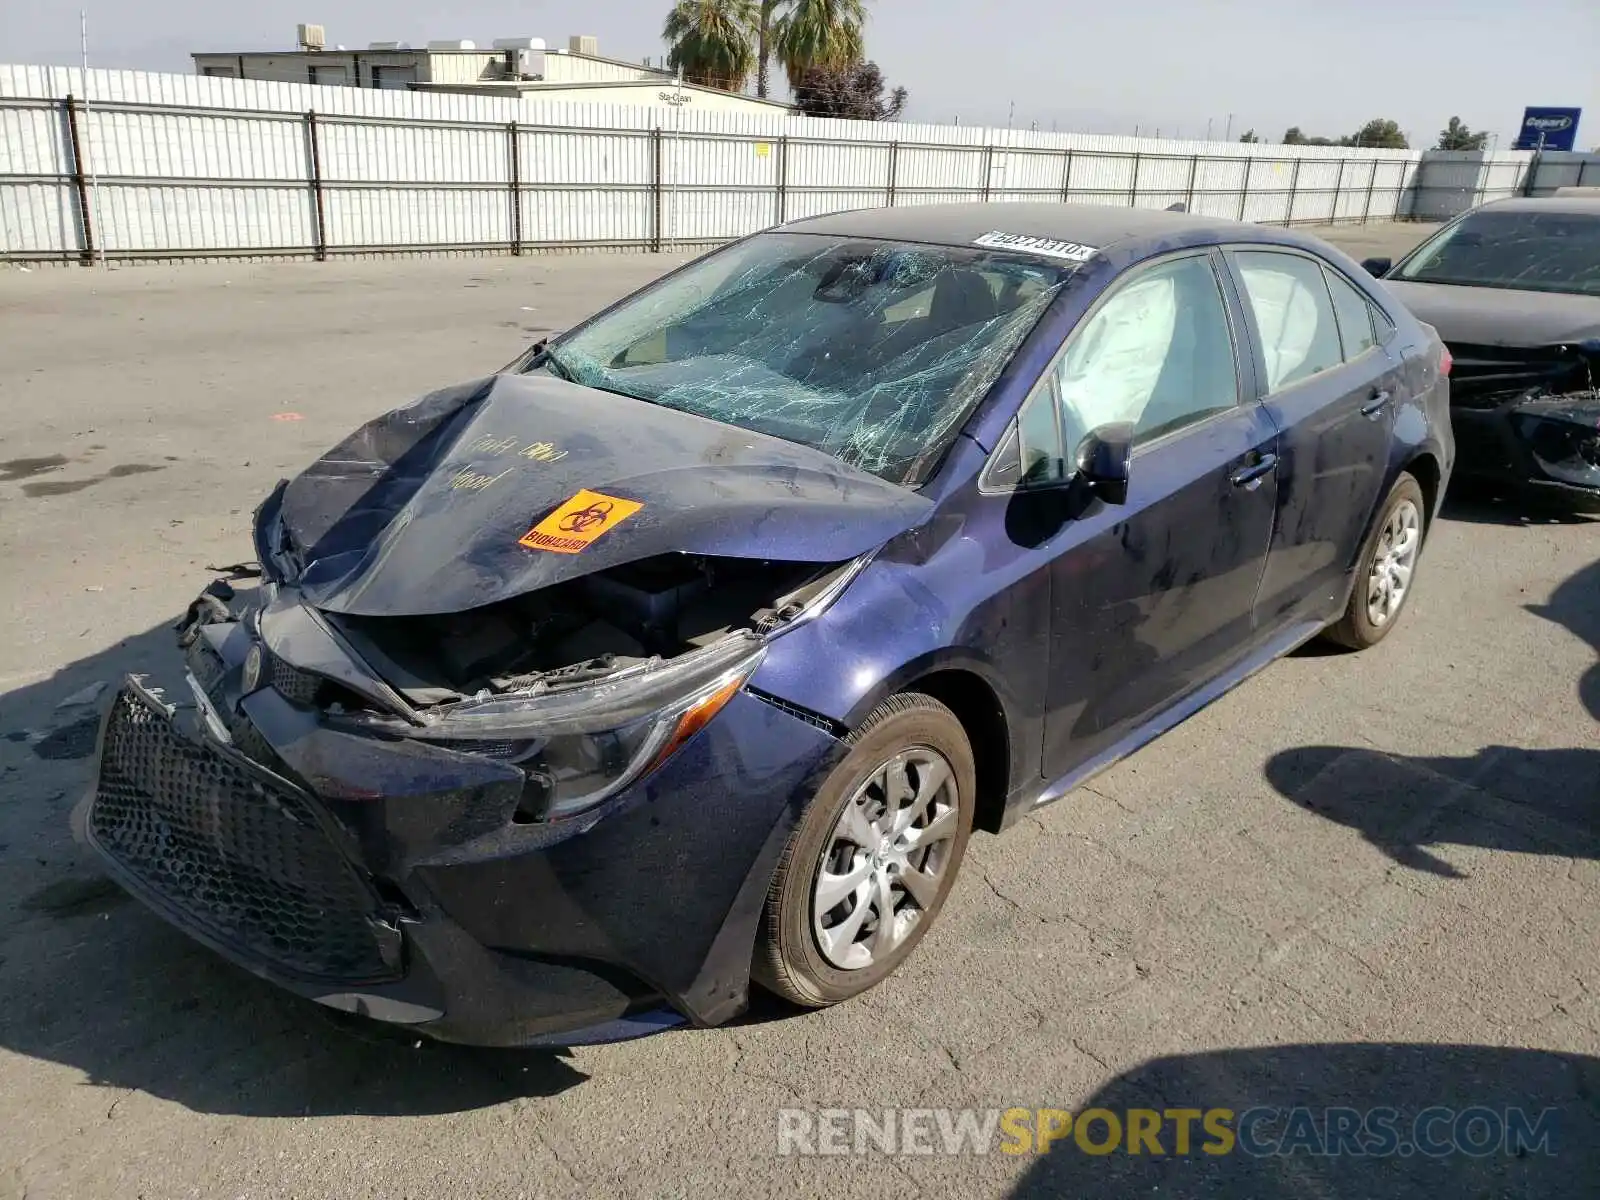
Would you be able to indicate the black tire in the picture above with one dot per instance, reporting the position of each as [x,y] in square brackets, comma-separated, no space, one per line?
[1355,629]
[789,959]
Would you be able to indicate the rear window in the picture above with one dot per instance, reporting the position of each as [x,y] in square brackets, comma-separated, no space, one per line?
[1530,251]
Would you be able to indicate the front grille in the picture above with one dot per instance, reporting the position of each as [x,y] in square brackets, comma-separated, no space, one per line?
[239,856]
[207,668]
[294,685]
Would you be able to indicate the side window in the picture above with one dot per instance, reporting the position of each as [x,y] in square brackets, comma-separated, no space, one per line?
[1299,336]
[1043,456]
[1382,325]
[1031,453]
[1355,317]
[1157,353]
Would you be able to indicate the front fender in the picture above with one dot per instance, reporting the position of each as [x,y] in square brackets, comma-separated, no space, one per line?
[893,627]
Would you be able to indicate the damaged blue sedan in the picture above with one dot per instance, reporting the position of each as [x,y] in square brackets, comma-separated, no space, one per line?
[685,653]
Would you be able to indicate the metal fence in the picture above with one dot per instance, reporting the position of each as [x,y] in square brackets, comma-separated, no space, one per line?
[173,167]
[256,183]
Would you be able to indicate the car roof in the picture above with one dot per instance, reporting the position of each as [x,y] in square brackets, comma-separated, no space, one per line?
[1092,225]
[1548,204]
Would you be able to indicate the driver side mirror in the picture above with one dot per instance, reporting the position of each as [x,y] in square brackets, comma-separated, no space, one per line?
[1377,267]
[1103,458]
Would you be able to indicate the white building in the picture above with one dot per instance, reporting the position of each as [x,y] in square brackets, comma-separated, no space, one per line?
[509,66]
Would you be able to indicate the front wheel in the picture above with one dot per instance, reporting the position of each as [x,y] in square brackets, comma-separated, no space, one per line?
[1386,569]
[869,866]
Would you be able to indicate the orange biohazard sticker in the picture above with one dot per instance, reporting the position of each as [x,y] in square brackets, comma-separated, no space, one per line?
[578,522]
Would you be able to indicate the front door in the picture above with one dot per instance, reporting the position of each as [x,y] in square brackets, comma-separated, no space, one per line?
[1154,597]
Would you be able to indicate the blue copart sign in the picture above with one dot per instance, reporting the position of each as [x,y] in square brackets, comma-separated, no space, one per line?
[1548,129]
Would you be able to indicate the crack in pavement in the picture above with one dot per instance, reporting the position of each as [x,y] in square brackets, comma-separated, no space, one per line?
[1107,796]
[1078,1045]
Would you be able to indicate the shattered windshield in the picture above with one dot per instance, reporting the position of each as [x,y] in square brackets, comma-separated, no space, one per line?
[1531,251]
[871,351]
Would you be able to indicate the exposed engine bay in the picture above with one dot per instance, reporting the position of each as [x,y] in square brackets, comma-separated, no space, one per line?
[584,629]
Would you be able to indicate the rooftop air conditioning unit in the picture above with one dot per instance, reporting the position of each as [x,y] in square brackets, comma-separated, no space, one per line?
[311,37]
[452,44]
[585,44]
[524,56]
[383,46]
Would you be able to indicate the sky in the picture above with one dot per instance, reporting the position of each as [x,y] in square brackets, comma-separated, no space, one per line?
[1177,66]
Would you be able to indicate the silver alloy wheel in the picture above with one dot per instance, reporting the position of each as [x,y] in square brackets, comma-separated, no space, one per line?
[883,866]
[1393,560]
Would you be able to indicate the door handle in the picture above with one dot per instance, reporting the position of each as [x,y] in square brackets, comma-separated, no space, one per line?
[1375,406]
[1250,477]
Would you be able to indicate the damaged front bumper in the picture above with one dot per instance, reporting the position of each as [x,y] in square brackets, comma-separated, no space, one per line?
[1550,444]
[405,880]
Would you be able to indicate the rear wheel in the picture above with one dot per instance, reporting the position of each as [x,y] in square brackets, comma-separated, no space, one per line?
[1386,569]
[870,864]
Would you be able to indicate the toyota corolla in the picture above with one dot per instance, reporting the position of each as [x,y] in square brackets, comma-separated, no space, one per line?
[686,652]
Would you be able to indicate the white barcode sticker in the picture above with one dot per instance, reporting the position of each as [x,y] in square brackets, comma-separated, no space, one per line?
[1052,247]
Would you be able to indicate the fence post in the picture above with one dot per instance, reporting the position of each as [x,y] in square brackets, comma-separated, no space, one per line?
[655,190]
[1133,184]
[79,184]
[1194,169]
[514,147]
[1338,192]
[988,169]
[1244,188]
[894,167]
[1066,179]
[1531,181]
[1372,182]
[315,142]
[783,178]
[1294,186]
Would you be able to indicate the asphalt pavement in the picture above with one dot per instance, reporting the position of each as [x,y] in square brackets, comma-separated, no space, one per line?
[1360,880]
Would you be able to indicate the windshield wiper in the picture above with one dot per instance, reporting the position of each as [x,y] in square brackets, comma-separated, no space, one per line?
[564,370]
[558,368]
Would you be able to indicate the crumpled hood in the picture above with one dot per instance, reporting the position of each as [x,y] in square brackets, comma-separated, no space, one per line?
[1500,316]
[425,510]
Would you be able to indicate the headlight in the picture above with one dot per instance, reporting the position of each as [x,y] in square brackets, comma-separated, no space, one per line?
[581,745]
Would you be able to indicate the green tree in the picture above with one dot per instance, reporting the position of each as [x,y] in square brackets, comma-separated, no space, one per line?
[1457,136]
[1378,134]
[1294,137]
[711,41]
[854,93]
[819,33]
[1249,135]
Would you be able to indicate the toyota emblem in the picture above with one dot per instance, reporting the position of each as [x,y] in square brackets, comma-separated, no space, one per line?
[252,669]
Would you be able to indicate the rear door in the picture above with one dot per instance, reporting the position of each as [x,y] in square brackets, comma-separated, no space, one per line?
[1329,386]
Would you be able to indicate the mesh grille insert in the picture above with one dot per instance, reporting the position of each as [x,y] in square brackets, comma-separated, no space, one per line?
[242,858]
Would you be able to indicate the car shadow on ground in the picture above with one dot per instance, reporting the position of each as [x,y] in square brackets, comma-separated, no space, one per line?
[1538,801]
[92,980]
[1474,503]
[1279,1153]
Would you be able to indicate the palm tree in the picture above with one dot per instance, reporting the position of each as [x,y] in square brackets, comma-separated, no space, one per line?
[711,41]
[819,33]
[765,28]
